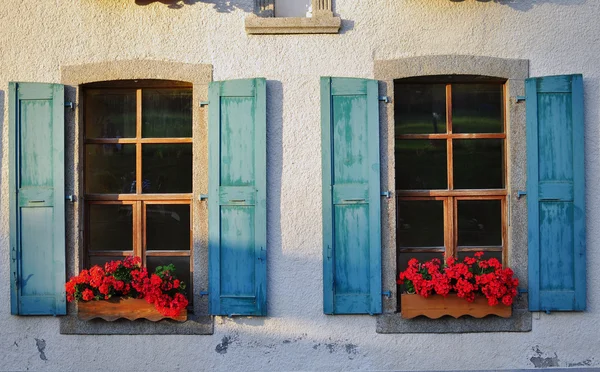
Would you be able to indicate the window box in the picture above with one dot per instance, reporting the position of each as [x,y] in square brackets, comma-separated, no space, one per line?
[118,307]
[436,306]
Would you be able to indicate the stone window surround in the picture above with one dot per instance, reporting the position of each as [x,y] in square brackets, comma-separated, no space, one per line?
[263,21]
[73,77]
[515,71]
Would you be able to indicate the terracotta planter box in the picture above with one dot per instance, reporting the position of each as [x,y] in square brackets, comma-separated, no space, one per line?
[436,306]
[128,308]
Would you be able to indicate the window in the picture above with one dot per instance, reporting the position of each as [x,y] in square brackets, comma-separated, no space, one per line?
[138,173]
[293,17]
[450,171]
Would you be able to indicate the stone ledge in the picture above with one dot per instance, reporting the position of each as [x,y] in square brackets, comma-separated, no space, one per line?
[520,321]
[314,25]
[201,325]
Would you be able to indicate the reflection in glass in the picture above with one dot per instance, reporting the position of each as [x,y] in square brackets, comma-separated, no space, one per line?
[479,164]
[421,165]
[182,266]
[110,227]
[477,108]
[101,260]
[486,255]
[420,108]
[167,226]
[110,113]
[479,223]
[167,168]
[110,169]
[420,223]
[166,113]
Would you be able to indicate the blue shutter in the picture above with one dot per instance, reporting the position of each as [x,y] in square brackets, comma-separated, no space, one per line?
[556,193]
[237,217]
[37,199]
[351,196]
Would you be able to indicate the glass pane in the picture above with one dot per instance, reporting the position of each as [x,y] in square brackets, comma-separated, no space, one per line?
[420,108]
[110,169]
[110,227]
[477,108]
[101,260]
[168,227]
[292,8]
[479,164]
[486,255]
[167,168]
[166,113]
[110,113]
[421,165]
[479,222]
[420,223]
[182,267]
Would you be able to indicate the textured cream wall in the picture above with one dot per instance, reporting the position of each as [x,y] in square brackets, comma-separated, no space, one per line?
[37,37]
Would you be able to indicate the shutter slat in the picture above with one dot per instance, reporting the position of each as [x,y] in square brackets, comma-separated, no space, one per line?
[37,210]
[556,193]
[237,197]
[351,196]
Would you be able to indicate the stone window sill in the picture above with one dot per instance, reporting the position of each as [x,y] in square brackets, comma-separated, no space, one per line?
[201,325]
[273,25]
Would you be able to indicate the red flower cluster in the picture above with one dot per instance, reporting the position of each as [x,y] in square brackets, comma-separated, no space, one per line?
[127,278]
[466,279]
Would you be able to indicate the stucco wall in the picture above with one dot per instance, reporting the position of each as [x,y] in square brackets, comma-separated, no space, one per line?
[556,36]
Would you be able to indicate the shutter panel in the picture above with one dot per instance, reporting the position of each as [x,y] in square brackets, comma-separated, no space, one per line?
[37,199]
[351,196]
[556,193]
[237,198]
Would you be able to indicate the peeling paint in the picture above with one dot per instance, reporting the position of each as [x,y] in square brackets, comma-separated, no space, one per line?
[41,346]
[224,345]
[540,361]
[587,362]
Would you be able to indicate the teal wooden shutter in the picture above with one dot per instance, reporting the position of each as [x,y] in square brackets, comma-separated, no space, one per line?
[556,193]
[237,217]
[37,199]
[351,196]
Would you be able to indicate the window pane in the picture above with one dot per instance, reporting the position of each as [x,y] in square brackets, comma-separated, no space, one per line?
[420,108]
[479,222]
[101,260]
[110,227]
[291,8]
[421,165]
[167,168]
[477,108]
[479,164]
[168,227]
[487,255]
[110,113]
[182,267]
[110,169]
[166,113]
[420,223]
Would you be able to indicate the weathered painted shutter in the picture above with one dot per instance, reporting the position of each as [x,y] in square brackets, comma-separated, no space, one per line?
[351,196]
[37,199]
[556,193]
[237,217]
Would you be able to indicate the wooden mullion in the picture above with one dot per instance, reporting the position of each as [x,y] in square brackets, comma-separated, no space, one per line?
[480,248]
[171,198]
[110,253]
[166,140]
[451,227]
[103,141]
[466,193]
[166,253]
[452,135]
[449,108]
[138,227]
[422,249]
[480,197]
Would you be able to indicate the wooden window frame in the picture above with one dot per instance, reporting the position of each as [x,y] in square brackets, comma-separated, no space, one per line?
[451,196]
[137,200]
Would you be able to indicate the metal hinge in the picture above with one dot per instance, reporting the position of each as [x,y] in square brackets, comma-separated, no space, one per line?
[203,293]
[204,103]
[70,198]
[70,105]
[385,99]
[519,99]
[521,193]
[387,194]
[202,197]
[387,294]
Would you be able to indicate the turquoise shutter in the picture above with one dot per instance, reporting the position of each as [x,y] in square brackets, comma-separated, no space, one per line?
[556,193]
[237,217]
[351,196]
[37,199]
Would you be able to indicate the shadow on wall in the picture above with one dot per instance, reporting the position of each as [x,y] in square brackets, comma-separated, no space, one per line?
[221,6]
[525,5]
